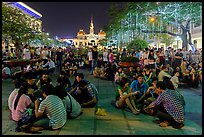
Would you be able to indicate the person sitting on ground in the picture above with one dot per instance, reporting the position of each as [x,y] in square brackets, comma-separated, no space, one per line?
[140,87]
[163,73]
[194,76]
[72,107]
[109,72]
[6,72]
[73,69]
[122,96]
[20,104]
[86,94]
[131,74]
[64,80]
[78,78]
[118,75]
[50,112]
[17,84]
[169,107]
[147,75]
[30,81]
[45,79]
[97,71]
[175,79]
[151,94]
[49,66]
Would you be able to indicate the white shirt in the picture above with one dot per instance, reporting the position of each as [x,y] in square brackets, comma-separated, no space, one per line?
[6,70]
[175,81]
[90,55]
[50,63]
[45,53]
[105,56]
[26,53]
[162,74]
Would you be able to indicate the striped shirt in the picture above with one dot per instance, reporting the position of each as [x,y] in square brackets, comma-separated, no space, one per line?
[55,111]
[173,103]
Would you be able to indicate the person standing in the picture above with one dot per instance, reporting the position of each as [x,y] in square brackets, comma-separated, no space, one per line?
[26,52]
[111,56]
[178,59]
[94,60]
[90,58]
[58,58]
[44,54]
[105,56]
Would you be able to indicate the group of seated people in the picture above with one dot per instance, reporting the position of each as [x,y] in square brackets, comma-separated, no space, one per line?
[159,99]
[50,105]
[149,92]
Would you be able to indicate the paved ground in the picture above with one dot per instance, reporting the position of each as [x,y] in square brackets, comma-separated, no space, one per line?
[116,122]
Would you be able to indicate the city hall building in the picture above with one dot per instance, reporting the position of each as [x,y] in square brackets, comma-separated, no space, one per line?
[88,40]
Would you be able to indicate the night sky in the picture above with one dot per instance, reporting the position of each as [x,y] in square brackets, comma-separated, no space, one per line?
[64,19]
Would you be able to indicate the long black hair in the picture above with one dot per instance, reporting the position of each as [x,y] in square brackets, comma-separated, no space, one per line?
[23,90]
[123,81]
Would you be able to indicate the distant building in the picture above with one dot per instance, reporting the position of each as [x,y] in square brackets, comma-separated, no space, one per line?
[88,40]
[33,18]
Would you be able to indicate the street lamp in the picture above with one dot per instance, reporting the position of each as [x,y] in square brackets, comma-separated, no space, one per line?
[152,19]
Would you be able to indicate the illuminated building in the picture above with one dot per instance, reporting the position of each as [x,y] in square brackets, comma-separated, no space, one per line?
[33,16]
[88,40]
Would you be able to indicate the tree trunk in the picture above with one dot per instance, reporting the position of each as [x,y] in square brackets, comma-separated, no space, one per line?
[184,39]
[19,54]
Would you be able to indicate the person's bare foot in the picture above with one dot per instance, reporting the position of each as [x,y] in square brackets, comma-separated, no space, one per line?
[136,112]
[164,124]
[35,129]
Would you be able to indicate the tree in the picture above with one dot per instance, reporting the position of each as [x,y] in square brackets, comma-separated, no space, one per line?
[137,44]
[172,18]
[16,27]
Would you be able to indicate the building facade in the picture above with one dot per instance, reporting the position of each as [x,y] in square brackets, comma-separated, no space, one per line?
[33,17]
[88,40]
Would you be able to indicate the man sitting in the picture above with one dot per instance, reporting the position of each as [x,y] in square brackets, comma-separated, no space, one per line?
[86,94]
[168,107]
[140,87]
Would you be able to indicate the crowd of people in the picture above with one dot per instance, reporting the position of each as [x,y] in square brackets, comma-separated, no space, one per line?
[149,88]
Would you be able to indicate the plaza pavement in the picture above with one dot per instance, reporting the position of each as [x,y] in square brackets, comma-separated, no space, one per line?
[116,122]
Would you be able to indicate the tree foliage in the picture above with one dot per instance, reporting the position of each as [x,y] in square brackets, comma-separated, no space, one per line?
[172,18]
[137,44]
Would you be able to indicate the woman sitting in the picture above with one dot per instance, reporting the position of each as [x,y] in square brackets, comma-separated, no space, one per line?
[72,107]
[21,103]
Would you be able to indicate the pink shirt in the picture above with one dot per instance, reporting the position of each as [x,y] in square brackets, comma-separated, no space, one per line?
[22,105]
[111,58]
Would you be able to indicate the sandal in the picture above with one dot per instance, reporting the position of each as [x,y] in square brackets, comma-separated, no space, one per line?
[164,124]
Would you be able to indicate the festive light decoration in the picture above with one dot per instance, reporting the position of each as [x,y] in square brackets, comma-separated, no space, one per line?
[158,18]
[152,19]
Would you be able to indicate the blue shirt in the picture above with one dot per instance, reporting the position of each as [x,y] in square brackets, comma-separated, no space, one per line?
[135,87]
